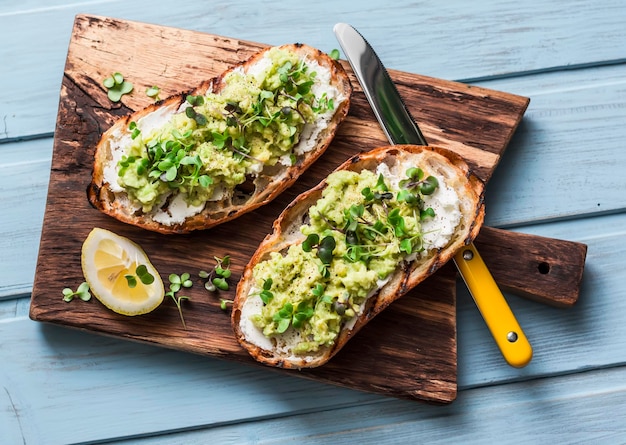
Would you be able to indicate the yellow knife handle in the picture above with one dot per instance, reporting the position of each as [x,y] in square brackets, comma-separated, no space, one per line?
[491,303]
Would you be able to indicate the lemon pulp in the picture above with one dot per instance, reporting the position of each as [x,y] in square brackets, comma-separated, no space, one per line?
[107,258]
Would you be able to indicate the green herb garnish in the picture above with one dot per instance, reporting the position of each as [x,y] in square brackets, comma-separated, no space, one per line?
[82,292]
[142,273]
[153,92]
[265,294]
[218,276]
[414,185]
[288,315]
[325,248]
[224,303]
[177,282]
[132,127]
[116,87]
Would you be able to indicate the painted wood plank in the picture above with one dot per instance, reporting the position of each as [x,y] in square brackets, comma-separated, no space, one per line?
[24,175]
[14,308]
[62,387]
[576,409]
[591,334]
[482,39]
[34,6]
[53,365]
[567,157]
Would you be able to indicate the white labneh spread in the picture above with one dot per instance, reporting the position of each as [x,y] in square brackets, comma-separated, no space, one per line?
[444,201]
[250,332]
[176,212]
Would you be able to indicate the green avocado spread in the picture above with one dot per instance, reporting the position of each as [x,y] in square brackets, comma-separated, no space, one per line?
[217,139]
[358,233]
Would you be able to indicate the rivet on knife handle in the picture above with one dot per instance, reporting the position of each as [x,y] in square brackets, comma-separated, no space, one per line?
[503,325]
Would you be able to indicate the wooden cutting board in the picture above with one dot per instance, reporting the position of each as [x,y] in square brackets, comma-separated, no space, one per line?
[409,351]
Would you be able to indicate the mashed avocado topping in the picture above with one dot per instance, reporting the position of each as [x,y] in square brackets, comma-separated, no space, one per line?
[358,233]
[216,141]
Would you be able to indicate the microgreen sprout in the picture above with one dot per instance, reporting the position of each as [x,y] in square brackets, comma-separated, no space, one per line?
[334,54]
[325,248]
[379,193]
[427,213]
[224,303]
[218,277]
[318,290]
[414,188]
[169,162]
[116,87]
[82,292]
[415,183]
[429,185]
[195,100]
[266,295]
[135,131]
[191,113]
[397,222]
[177,282]
[288,315]
[153,92]
[142,273]
[412,244]
[324,103]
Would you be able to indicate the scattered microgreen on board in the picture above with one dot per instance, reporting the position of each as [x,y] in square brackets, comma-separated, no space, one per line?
[116,86]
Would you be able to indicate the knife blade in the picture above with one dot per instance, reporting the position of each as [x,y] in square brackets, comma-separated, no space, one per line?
[400,128]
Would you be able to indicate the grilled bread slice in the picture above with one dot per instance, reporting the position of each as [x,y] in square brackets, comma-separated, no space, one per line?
[391,225]
[232,144]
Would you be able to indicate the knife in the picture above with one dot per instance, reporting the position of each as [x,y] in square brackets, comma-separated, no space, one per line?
[400,128]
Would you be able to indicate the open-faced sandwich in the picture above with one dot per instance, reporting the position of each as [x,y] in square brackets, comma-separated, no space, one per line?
[343,251]
[234,143]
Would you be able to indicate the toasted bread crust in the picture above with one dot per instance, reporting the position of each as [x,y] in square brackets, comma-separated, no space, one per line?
[407,276]
[266,186]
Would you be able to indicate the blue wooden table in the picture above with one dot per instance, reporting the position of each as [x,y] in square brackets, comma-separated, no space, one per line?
[562,176]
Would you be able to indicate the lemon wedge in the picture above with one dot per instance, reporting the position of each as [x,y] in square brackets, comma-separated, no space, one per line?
[107,259]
